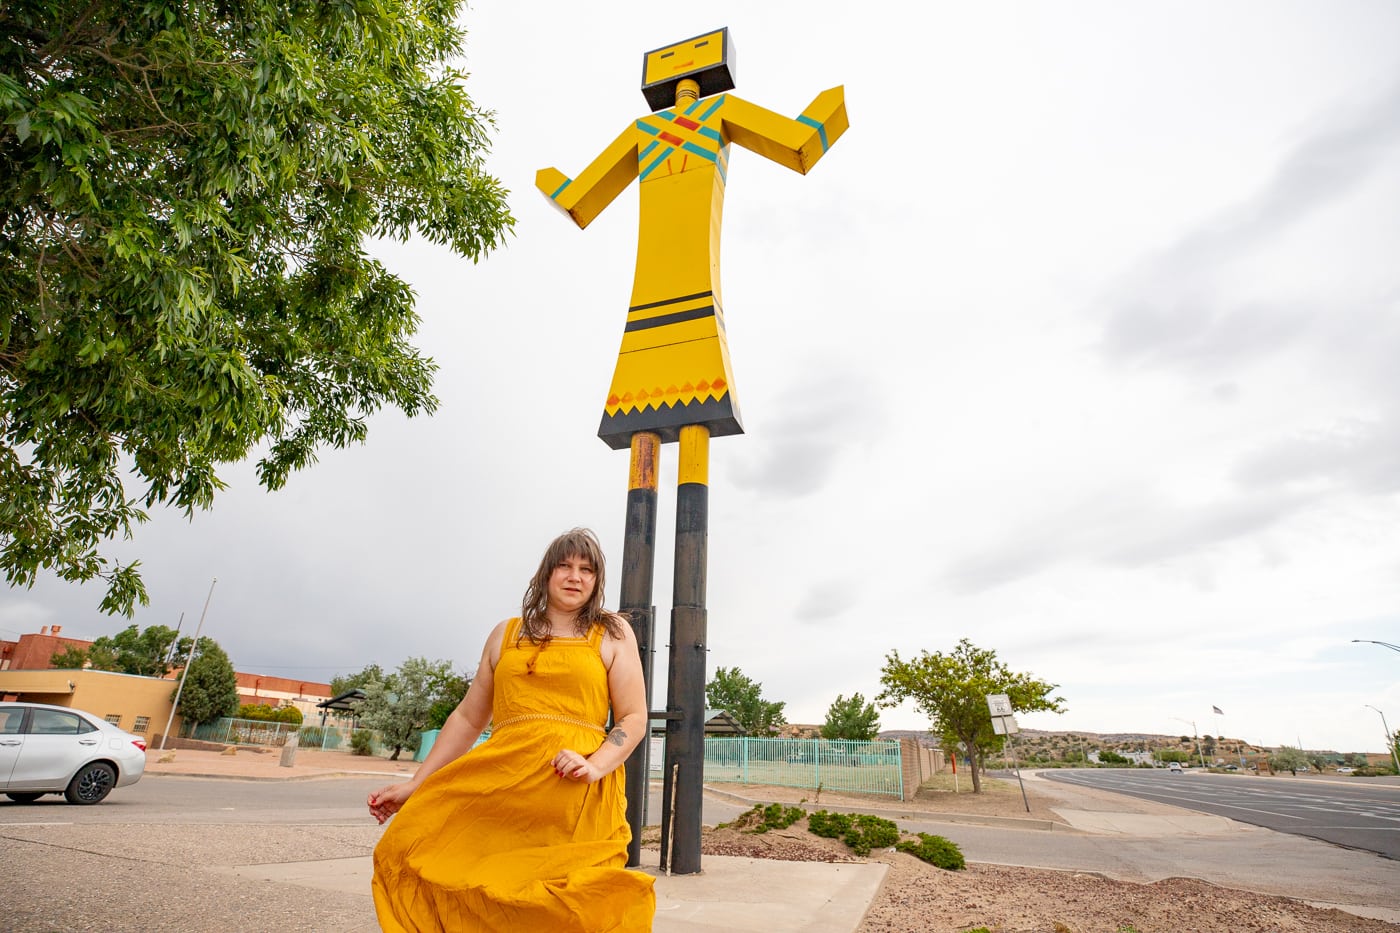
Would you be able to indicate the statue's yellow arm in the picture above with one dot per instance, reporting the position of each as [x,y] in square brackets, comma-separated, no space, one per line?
[585,197]
[797,144]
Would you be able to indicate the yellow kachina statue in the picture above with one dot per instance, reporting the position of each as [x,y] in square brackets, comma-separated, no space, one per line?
[673,381]
[673,368]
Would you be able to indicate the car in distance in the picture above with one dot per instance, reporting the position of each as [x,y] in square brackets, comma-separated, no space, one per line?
[1346,770]
[1174,767]
[56,750]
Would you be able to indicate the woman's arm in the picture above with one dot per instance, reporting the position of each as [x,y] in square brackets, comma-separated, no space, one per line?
[461,730]
[627,691]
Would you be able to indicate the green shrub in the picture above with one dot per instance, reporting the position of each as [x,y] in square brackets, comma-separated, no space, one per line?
[777,816]
[361,742]
[936,850]
[861,831]
[760,819]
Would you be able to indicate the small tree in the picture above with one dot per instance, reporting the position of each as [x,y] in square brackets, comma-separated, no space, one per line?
[952,691]
[211,688]
[742,698]
[1288,758]
[371,674]
[399,707]
[851,719]
[146,653]
[71,658]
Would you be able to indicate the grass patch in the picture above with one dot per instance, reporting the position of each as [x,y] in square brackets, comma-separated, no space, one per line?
[943,783]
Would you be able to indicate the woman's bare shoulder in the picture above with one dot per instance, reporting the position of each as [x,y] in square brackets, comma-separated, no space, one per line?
[495,641]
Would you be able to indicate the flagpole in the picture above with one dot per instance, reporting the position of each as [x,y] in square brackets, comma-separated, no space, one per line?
[1220,726]
[188,661]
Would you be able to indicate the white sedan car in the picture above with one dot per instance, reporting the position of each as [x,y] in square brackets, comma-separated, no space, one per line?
[56,750]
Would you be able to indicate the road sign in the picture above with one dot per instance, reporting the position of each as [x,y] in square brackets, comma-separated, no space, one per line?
[1005,725]
[999,704]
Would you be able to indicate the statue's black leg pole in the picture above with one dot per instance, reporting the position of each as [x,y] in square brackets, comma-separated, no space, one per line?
[683,789]
[638,563]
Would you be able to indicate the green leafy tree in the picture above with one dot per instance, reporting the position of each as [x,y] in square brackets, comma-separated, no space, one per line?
[951,689]
[263,712]
[71,658]
[851,719]
[742,698]
[211,687]
[449,693]
[1288,758]
[185,194]
[400,706]
[372,674]
[143,652]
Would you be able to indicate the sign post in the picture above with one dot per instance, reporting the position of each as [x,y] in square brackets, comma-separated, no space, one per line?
[1004,723]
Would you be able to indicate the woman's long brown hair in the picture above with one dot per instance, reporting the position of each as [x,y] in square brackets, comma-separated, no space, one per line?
[580,542]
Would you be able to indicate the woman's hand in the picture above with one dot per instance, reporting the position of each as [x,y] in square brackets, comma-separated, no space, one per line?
[386,801]
[570,764]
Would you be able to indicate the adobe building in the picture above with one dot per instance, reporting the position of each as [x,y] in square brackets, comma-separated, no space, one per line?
[32,652]
[140,705]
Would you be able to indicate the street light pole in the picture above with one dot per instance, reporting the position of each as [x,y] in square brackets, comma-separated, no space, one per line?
[1389,738]
[1385,644]
[1194,737]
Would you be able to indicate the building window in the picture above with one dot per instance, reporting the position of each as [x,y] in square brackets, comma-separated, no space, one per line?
[141,723]
[114,718]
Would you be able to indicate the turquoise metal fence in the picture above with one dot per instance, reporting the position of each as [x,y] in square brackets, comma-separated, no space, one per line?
[872,767]
[257,732]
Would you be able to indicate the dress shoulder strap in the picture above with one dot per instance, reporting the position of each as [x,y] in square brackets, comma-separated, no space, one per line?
[512,633]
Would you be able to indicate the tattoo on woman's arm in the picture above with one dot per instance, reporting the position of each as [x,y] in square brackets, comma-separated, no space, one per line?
[617,737]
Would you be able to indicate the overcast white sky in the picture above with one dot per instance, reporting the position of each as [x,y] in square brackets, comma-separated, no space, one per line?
[1081,344]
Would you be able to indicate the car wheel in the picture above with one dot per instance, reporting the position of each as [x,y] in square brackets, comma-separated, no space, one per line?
[91,784]
[24,798]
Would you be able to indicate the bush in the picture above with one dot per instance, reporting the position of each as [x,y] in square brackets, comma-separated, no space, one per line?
[861,831]
[936,850]
[777,816]
[361,742]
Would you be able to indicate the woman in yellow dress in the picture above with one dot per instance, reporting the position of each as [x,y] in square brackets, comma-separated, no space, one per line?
[528,831]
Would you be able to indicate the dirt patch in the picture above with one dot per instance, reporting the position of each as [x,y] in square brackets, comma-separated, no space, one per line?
[916,896]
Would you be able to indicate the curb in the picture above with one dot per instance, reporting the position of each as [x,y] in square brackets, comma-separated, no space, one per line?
[279,778]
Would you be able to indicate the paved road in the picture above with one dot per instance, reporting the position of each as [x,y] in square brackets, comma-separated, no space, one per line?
[182,800]
[1347,813]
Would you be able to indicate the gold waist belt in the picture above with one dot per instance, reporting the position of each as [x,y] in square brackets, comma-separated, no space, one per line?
[552,718]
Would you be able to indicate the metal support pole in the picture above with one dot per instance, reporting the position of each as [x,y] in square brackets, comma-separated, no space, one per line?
[683,789]
[175,703]
[1389,738]
[638,565]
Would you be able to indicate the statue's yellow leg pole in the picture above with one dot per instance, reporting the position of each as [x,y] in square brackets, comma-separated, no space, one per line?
[635,599]
[683,788]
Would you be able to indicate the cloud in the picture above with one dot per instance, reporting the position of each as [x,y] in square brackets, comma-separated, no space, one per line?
[826,601]
[1176,307]
[807,429]
[1127,529]
[1352,455]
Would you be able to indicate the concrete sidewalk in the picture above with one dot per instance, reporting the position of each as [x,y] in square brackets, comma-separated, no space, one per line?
[737,895]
